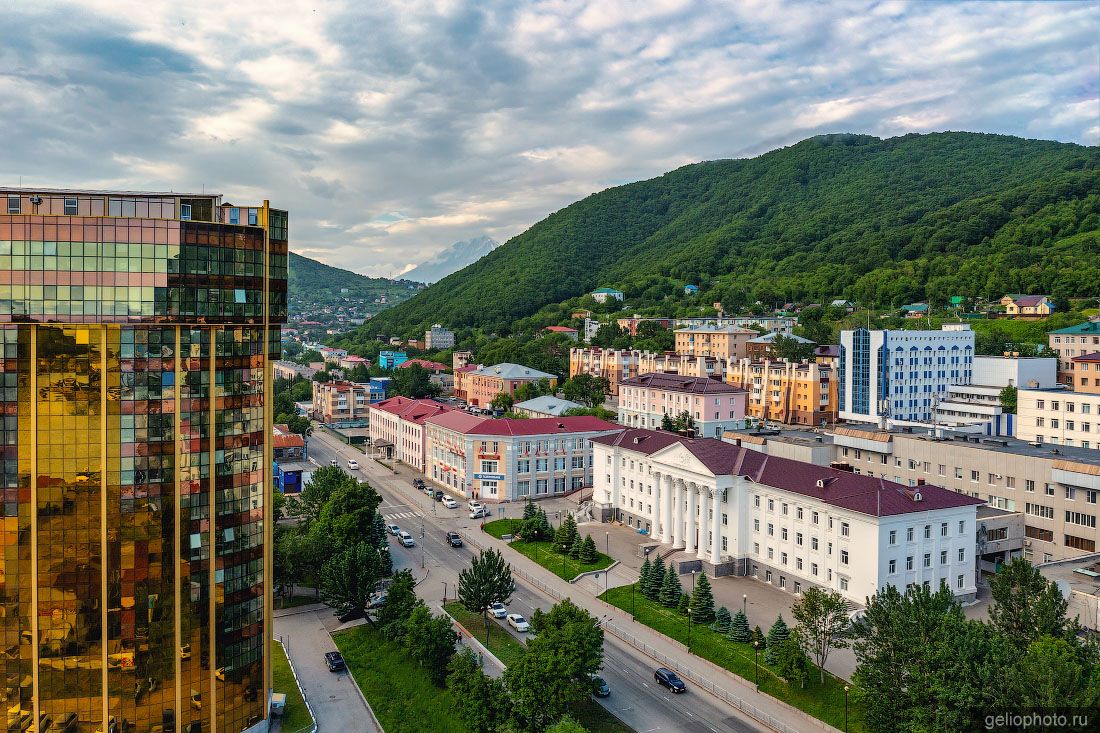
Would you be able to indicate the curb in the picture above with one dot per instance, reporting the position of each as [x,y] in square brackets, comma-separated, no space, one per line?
[298,682]
[593,572]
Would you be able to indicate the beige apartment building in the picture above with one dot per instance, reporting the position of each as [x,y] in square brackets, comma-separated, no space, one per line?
[343,403]
[797,393]
[1079,340]
[1058,417]
[617,365]
[723,342]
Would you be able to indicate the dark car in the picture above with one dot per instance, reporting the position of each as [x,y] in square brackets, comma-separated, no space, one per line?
[335,662]
[439,495]
[667,678]
[455,539]
[600,687]
[349,615]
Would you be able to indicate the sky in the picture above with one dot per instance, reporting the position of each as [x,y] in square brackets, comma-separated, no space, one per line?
[391,129]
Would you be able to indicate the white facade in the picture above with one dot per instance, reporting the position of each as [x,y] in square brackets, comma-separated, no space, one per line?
[591,327]
[604,294]
[1058,417]
[1014,371]
[781,536]
[438,337]
[898,374]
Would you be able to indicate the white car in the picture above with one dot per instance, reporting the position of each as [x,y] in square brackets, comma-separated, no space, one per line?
[519,623]
[498,610]
[353,464]
[393,529]
[475,505]
[450,503]
[406,539]
[479,513]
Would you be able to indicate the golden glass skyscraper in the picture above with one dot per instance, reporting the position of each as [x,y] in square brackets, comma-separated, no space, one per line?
[137,333]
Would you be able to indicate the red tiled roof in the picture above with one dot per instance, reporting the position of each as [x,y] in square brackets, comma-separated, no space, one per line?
[470,424]
[433,366]
[1093,357]
[560,329]
[414,411]
[468,368]
[676,383]
[844,489]
[1029,300]
[287,440]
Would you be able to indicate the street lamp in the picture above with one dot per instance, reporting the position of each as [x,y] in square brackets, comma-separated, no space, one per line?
[745,604]
[607,544]
[756,648]
[846,708]
[444,590]
[563,549]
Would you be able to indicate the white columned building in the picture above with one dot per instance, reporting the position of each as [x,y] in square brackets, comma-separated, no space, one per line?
[736,511]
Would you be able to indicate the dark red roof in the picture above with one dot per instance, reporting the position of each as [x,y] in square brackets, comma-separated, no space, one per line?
[858,493]
[415,411]
[560,329]
[470,424]
[1029,301]
[431,366]
[676,383]
[1093,357]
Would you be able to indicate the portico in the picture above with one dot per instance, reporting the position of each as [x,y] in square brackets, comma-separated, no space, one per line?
[691,500]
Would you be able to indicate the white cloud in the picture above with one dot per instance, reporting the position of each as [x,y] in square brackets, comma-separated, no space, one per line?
[391,129]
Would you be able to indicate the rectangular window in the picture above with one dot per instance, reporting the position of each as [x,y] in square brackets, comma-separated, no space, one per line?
[943,529]
[813,568]
[909,563]
[844,584]
[844,529]
[798,513]
[771,529]
[252,217]
[943,557]
[814,518]
[927,559]
[783,558]
[783,533]
[756,525]
[1037,533]
[524,466]
[185,212]
[234,215]
[798,539]
[756,548]
[893,537]
[843,557]
[1029,485]
[70,207]
[962,554]
[909,534]
[813,543]
[959,581]
[1080,543]
[893,566]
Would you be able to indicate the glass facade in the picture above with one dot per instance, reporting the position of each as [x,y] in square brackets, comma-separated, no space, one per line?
[133,453]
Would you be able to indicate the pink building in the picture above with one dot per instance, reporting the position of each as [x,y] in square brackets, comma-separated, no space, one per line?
[713,405]
[397,427]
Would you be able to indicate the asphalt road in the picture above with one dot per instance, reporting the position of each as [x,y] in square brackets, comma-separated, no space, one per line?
[634,698]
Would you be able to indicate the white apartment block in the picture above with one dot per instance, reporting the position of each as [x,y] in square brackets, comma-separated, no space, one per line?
[1058,417]
[791,524]
[438,337]
[898,374]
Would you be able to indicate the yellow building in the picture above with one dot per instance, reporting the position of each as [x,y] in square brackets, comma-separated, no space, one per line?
[795,393]
[722,342]
[138,331]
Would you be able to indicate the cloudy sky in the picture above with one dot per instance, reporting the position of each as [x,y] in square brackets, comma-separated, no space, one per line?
[391,129]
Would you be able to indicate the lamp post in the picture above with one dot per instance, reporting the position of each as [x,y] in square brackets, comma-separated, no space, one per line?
[756,648]
[607,544]
[444,591]
[563,549]
[846,708]
[745,604]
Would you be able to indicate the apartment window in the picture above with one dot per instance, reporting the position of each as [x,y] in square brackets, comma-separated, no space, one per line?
[974,476]
[1029,485]
[927,559]
[771,553]
[756,548]
[784,509]
[1090,496]
[13,204]
[814,518]
[1037,533]
[798,539]
[843,557]
[70,207]
[844,584]
[813,568]
[829,549]
[541,464]
[1010,482]
[185,212]
[756,525]
[1041,404]
[958,472]
[844,529]
[1080,543]
[893,537]
[725,520]
[756,501]
[252,217]
[798,513]
[928,531]
[813,543]
[1085,520]
[943,557]
[771,505]
[893,567]
[1040,422]
[1071,493]
[909,563]
[943,529]
[783,533]
[830,524]
[959,581]
[798,563]
[771,529]
[783,558]
[1049,489]
[909,534]
[234,215]
[962,526]
[523,487]
[962,554]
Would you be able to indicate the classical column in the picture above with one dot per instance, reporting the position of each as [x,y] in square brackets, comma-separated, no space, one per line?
[666,509]
[716,526]
[678,522]
[692,521]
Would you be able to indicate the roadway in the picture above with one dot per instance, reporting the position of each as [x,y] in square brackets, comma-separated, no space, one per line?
[634,698]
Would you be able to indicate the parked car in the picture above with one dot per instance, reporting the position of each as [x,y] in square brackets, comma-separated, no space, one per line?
[349,615]
[406,539]
[418,483]
[454,539]
[498,610]
[475,505]
[393,529]
[353,464]
[439,494]
[517,622]
[600,687]
[449,502]
[667,678]
[430,492]
[479,513]
[334,463]
[335,662]
[377,600]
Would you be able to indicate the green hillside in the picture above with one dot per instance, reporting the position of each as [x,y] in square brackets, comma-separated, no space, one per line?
[881,222]
[313,285]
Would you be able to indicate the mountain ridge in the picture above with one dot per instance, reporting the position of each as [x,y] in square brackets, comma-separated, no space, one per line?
[451,260]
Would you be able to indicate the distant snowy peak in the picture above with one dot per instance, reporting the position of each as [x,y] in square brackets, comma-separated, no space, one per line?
[452,259]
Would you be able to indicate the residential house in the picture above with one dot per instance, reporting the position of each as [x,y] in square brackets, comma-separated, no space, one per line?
[724,342]
[1069,343]
[714,405]
[486,383]
[351,361]
[341,404]
[397,428]
[563,330]
[782,324]
[290,370]
[798,393]
[1027,306]
[691,289]
[915,310]
[602,295]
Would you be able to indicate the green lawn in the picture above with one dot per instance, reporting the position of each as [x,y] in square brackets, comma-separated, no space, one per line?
[402,696]
[825,702]
[295,601]
[545,554]
[505,647]
[296,717]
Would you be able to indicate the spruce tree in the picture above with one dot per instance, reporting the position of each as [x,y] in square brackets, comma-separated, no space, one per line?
[776,634]
[702,605]
[739,629]
[544,529]
[575,549]
[589,555]
[671,590]
[643,575]
[529,510]
[656,580]
[721,621]
[684,604]
[563,538]
[758,639]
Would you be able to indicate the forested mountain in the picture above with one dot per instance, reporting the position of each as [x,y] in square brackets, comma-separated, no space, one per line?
[880,222]
[315,290]
[452,259]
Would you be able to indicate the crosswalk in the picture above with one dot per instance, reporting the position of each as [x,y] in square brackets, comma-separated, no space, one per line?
[400,515]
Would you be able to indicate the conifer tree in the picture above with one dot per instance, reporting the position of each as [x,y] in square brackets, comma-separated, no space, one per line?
[671,590]
[758,639]
[776,634]
[721,621]
[684,604]
[588,552]
[656,580]
[739,629]
[643,574]
[702,601]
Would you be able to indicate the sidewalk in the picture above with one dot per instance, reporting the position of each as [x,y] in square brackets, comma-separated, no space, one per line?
[721,683]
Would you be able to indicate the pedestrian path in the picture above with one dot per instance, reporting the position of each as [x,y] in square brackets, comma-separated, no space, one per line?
[402,515]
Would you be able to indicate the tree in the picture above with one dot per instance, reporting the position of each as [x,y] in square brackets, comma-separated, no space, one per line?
[684,604]
[671,590]
[667,424]
[739,629]
[348,515]
[502,401]
[822,618]
[481,701]
[702,601]
[488,580]
[348,579]
[566,725]
[324,482]
[529,509]
[643,574]
[1008,399]
[1051,674]
[588,554]
[378,532]
[586,389]
[430,640]
[1026,606]
[758,639]
[400,602]
[536,528]
[722,620]
[777,634]
[791,349]
[791,662]
[414,381]
[567,535]
[656,579]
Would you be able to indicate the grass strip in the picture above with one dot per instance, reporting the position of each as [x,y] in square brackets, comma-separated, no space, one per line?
[296,716]
[546,553]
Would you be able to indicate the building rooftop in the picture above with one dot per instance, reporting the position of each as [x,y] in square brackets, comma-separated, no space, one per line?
[606,290]
[560,329]
[414,411]
[855,492]
[771,337]
[467,424]
[796,437]
[676,383]
[507,370]
[711,328]
[1086,327]
[1093,358]
[105,192]
[548,404]
[432,366]
[1081,574]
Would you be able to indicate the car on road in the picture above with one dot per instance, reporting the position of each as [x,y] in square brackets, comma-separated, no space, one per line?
[334,463]
[667,678]
[517,622]
[600,687]
[393,529]
[406,539]
[454,539]
[418,483]
[449,502]
[479,513]
[335,662]
[353,465]
[439,494]
[498,610]
[475,505]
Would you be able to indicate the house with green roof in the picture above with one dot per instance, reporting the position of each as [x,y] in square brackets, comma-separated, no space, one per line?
[1071,342]
[602,295]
